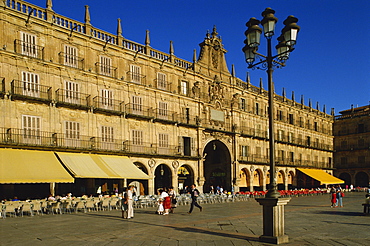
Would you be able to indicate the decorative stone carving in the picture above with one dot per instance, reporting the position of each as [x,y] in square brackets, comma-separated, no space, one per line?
[151,163]
[175,164]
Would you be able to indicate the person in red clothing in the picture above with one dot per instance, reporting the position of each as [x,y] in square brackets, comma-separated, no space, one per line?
[333,193]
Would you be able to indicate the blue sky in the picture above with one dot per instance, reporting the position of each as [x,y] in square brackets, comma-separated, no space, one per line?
[330,65]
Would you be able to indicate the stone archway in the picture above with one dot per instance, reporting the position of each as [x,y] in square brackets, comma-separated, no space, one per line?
[347,178]
[244,184]
[162,177]
[185,175]
[290,180]
[361,179]
[143,185]
[217,166]
[258,180]
[281,180]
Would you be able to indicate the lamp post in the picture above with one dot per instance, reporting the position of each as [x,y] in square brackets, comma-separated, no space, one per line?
[273,212]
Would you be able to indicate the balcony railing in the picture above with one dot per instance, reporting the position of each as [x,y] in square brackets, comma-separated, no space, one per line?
[136,78]
[68,97]
[166,115]
[108,104]
[71,60]
[106,70]
[30,90]
[138,110]
[29,49]
[187,119]
[162,85]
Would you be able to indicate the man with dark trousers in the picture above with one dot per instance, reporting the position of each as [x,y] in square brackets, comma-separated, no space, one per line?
[194,192]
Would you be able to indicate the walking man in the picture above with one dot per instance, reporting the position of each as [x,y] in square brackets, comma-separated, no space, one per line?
[194,192]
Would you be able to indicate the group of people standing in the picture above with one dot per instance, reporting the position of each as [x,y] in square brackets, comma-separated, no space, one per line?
[336,196]
[167,201]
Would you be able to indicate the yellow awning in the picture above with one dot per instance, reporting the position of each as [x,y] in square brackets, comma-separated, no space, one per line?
[31,166]
[100,166]
[84,165]
[124,167]
[321,176]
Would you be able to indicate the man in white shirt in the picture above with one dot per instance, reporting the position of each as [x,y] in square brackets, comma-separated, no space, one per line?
[130,209]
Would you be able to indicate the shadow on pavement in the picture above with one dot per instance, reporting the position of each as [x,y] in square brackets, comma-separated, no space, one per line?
[342,213]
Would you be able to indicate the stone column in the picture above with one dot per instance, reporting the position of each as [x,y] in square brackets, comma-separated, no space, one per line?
[273,220]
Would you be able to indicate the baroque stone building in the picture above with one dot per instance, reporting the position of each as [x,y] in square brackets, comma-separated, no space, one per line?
[352,146]
[86,95]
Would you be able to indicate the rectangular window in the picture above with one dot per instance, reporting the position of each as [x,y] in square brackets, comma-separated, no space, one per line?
[291,119]
[72,133]
[107,137]
[290,137]
[137,137]
[257,109]
[291,157]
[316,126]
[107,134]
[163,140]
[161,81]
[135,72]
[70,56]
[184,88]
[280,135]
[105,66]
[137,105]
[162,110]
[28,44]
[244,150]
[242,104]
[72,90]
[31,84]
[106,99]
[31,126]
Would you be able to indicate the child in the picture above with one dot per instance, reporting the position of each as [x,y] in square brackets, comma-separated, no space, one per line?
[160,207]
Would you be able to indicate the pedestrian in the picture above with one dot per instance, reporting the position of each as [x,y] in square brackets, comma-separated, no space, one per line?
[130,207]
[194,192]
[124,203]
[339,196]
[333,197]
[166,201]
[172,194]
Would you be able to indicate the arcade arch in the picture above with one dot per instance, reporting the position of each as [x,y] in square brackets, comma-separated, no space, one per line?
[162,177]
[346,177]
[185,175]
[362,179]
[217,166]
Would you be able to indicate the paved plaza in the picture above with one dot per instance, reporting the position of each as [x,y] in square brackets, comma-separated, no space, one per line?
[309,220]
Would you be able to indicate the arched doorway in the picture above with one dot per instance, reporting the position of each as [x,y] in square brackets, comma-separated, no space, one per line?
[346,177]
[280,180]
[163,177]
[362,179]
[185,177]
[141,185]
[217,166]
[244,180]
[290,180]
[257,180]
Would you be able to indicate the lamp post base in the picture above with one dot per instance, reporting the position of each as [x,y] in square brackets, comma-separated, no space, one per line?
[273,220]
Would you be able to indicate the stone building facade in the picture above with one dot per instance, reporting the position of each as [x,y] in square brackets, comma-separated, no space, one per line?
[68,86]
[352,146]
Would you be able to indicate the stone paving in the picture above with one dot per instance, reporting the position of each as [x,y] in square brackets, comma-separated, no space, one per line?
[308,221]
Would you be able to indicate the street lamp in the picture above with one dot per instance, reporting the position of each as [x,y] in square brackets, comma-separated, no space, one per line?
[287,40]
[273,204]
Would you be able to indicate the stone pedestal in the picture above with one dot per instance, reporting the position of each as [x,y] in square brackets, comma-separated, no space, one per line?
[273,220]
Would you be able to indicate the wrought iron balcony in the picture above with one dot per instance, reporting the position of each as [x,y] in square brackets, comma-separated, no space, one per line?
[72,98]
[71,60]
[136,78]
[108,105]
[106,70]
[30,90]
[29,49]
[138,110]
